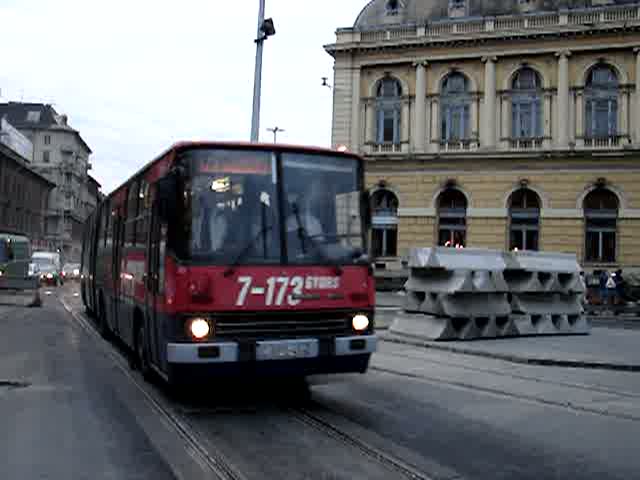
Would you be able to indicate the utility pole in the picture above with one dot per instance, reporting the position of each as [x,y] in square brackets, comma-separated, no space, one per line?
[275,131]
[265,30]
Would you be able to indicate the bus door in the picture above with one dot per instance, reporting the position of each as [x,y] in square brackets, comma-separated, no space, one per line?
[118,241]
[154,281]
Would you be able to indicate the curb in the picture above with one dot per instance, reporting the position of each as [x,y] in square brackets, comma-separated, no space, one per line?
[406,340]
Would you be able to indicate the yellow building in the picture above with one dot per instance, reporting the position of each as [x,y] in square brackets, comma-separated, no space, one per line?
[501,124]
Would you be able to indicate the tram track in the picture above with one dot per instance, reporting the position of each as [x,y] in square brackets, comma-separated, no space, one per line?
[213,461]
[516,376]
[307,414]
[567,405]
[314,420]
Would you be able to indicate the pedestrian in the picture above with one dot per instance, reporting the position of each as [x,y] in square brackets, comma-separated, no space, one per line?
[604,276]
[611,289]
[620,287]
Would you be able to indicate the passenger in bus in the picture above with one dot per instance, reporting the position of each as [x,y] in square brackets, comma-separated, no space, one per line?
[302,215]
[253,221]
[210,225]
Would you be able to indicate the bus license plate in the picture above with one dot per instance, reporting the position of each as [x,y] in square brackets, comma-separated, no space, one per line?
[286,349]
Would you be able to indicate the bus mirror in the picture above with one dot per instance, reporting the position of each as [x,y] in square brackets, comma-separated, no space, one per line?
[365,208]
[166,193]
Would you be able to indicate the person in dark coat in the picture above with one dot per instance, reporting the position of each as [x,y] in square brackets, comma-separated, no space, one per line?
[604,292]
[620,286]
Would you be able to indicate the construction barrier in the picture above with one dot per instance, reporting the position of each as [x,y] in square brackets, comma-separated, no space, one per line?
[464,294]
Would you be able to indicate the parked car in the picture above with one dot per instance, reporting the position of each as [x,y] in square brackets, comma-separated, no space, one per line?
[49,275]
[71,271]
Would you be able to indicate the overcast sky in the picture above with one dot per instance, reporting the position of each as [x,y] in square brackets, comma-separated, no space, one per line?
[136,76]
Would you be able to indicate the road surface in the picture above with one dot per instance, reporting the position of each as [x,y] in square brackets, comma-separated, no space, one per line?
[76,411]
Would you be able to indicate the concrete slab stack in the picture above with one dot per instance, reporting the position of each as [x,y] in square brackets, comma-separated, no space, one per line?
[464,294]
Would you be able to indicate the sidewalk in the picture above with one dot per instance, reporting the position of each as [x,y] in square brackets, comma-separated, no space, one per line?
[605,348]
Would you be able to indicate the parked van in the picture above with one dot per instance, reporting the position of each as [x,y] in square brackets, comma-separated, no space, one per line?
[48,257]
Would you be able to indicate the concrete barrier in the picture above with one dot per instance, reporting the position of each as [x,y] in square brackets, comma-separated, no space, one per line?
[473,293]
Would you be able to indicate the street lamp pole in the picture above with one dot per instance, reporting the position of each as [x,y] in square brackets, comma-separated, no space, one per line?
[275,131]
[257,82]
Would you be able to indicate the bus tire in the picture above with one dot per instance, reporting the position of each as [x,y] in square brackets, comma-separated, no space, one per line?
[141,360]
[101,320]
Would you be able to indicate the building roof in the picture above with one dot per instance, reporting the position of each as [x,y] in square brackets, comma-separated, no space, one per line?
[382,12]
[37,116]
[93,180]
[8,154]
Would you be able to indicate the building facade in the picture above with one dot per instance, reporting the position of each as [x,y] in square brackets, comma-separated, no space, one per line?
[62,156]
[501,124]
[23,196]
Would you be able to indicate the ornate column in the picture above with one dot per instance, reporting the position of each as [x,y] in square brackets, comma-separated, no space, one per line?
[419,114]
[505,134]
[562,112]
[489,111]
[356,135]
[580,118]
[404,124]
[624,113]
[370,118]
[475,130]
[636,114]
[546,119]
[435,120]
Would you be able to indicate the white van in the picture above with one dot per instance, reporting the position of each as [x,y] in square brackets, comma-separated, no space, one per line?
[49,257]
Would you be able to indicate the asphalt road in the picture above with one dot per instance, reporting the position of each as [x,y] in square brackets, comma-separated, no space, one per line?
[417,414]
[61,416]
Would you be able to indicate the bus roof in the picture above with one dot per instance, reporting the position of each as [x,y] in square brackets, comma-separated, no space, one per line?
[281,147]
[16,233]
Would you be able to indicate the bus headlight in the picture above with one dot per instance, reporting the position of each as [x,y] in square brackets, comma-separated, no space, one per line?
[360,323]
[198,328]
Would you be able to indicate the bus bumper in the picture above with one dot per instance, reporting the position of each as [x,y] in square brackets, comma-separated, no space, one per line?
[230,359]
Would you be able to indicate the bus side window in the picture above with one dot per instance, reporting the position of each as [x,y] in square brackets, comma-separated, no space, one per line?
[162,250]
[104,227]
[131,214]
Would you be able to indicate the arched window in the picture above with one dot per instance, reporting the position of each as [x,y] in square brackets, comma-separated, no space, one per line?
[526,104]
[601,103]
[601,218]
[384,220]
[388,105]
[455,108]
[524,219]
[452,218]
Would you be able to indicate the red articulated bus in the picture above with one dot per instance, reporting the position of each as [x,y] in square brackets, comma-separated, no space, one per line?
[231,259]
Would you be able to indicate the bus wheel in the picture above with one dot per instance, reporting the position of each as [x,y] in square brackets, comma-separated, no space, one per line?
[103,326]
[142,358]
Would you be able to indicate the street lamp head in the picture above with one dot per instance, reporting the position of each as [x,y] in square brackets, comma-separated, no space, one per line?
[268,28]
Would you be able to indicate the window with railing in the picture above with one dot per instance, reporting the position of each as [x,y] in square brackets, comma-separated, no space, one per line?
[455,113]
[524,220]
[384,220]
[452,218]
[601,218]
[388,106]
[526,105]
[601,103]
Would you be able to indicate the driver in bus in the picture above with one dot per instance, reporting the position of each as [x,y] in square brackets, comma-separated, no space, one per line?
[210,223]
[301,215]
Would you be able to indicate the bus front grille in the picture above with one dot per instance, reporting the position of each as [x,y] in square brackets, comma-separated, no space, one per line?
[286,325]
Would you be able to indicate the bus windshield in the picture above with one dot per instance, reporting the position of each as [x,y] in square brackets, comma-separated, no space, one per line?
[238,204]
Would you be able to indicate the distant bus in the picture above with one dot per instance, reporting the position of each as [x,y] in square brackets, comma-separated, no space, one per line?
[225,259]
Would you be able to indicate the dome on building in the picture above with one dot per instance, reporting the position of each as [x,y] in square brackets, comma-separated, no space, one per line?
[388,12]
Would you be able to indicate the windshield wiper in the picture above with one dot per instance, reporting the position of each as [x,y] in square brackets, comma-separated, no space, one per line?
[243,253]
[304,234]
